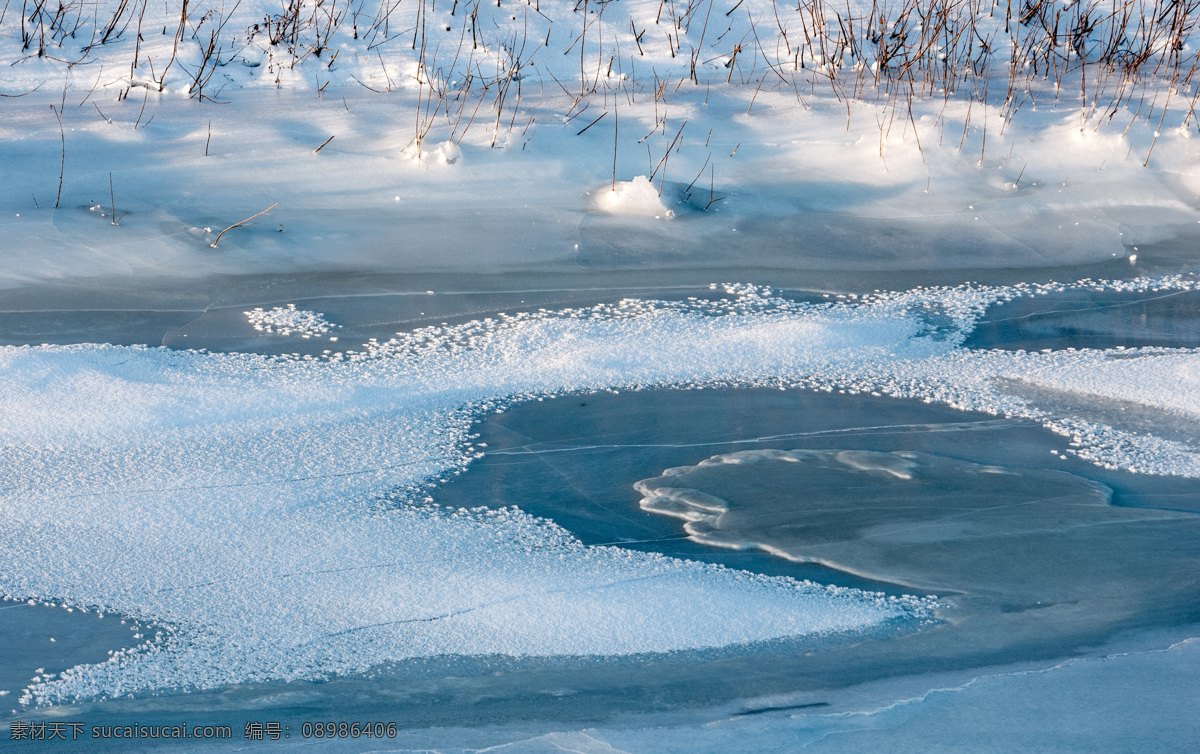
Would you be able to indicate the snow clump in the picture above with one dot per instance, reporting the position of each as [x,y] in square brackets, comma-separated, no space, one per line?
[289,321]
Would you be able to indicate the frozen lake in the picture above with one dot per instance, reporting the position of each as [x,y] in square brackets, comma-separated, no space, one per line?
[1053,575]
[641,376]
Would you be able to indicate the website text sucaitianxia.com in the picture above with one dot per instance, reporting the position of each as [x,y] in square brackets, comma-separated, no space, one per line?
[255,730]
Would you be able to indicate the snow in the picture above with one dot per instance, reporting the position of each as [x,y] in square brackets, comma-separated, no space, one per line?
[288,320]
[636,197]
[487,145]
[269,514]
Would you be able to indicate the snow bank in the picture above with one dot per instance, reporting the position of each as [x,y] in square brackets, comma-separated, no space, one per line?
[471,138]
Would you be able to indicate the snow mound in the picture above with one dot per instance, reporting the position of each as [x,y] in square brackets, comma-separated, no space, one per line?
[446,153]
[637,197]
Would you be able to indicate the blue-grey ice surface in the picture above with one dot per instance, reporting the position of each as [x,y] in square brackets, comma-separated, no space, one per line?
[276,520]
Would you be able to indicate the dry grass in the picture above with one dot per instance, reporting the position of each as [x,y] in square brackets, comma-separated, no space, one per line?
[1112,57]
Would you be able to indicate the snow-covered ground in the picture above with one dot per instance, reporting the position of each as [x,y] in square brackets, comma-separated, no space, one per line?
[519,138]
[270,513]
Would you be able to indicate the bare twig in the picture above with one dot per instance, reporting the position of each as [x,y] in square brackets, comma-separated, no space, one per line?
[112,198]
[243,222]
[22,94]
[616,126]
[318,149]
[597,120]
[62,165]
[143,111]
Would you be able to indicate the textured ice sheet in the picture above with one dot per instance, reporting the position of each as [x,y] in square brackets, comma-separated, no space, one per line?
[238,499]
[1035,536]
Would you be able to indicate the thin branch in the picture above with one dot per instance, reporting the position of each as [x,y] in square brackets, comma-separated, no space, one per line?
[243,222]
[318,149]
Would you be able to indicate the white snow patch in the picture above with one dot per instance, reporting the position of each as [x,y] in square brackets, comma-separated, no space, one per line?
[288,320]
[446,153]
[637,197]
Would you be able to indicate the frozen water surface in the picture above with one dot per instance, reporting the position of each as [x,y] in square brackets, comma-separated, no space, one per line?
[302,541]
[1024,552]
[584,458]
[461,433]
[294,539]
[1082,318]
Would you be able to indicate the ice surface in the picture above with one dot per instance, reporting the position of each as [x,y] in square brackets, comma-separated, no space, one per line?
[576,458]
[1088,318]
[267,514]
[1130,700]
[44,640]
[929,522]
[580,455]
[237,498]
[1026,558]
